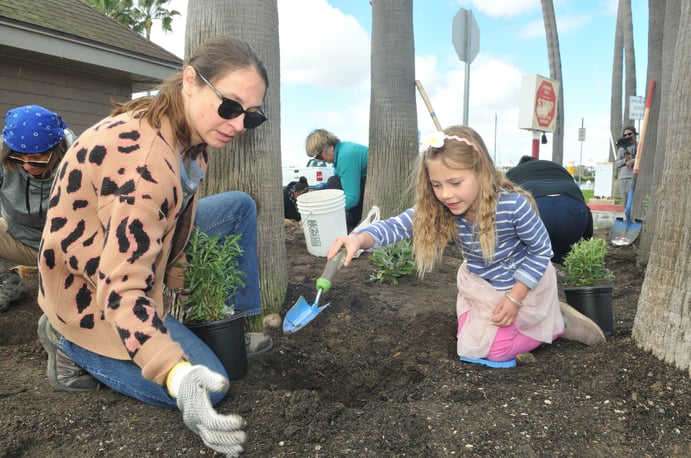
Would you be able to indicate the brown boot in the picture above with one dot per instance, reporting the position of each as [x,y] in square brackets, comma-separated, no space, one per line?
[580,328]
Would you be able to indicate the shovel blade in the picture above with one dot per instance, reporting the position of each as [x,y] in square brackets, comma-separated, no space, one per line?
[624,232]
[300,314]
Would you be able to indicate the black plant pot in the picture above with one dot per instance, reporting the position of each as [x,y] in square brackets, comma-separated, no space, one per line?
[226,338]
[595,302]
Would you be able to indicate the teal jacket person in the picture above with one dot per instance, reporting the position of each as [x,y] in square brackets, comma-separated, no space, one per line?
[350,169]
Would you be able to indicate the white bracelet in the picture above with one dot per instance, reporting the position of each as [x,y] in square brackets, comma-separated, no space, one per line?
[518,303]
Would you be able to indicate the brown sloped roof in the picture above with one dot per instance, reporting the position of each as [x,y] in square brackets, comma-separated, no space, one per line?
[74,19]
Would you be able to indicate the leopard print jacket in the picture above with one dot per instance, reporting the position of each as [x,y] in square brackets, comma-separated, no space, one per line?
[106,245]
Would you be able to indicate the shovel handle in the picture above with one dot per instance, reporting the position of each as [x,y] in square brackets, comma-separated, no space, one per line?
[332,266]
[644,126]
[428,104]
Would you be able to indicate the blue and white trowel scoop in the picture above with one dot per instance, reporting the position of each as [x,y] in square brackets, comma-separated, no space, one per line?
[301,313]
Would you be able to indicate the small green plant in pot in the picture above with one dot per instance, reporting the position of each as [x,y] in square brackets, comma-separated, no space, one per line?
[211,276]
[588,282]
[584,265]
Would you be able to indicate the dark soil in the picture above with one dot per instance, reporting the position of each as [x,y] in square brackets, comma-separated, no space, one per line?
[375,375]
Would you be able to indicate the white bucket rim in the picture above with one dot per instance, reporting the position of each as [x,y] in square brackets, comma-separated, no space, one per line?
[320,195]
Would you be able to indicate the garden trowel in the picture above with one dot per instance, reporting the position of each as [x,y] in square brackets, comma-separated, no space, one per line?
[301,313]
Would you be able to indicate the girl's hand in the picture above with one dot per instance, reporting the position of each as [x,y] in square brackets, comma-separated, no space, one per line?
[351,244]
[505,313]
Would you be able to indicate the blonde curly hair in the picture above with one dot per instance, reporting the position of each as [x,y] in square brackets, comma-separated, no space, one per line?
[434,226]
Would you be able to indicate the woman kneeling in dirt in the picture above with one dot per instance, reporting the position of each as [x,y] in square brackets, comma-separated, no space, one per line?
[507,288]
[121,211]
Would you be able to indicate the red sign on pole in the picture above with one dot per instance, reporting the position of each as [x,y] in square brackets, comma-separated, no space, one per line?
[545,104]
[538,109]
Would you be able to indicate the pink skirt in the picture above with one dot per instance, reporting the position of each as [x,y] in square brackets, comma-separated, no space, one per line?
[539,319]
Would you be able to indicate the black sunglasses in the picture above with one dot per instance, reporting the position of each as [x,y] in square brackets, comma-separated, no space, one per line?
[230,109]
[20,161]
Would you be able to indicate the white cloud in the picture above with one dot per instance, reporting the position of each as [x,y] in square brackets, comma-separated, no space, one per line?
[494,94]
[572,22]
[332,51]
[566,24]
[608,7]
[533,29]
[504,8]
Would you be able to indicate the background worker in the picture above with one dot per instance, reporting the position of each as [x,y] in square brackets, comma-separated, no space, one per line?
[350,169]
[626,155]
[559,199]
[34,141]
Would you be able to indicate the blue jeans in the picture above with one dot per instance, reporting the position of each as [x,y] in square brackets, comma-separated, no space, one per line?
[229,213]
[221,214]
[126,377]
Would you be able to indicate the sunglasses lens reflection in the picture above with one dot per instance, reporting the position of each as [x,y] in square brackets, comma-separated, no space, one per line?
[230,109]
[253,119]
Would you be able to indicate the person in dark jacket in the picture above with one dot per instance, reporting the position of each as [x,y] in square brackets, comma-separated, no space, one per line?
[34,141]
[562,207]
[290,194]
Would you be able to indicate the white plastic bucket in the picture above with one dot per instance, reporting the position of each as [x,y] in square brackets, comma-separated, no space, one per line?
[322,215]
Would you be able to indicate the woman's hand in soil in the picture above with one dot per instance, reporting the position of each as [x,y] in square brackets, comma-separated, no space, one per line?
[191,386]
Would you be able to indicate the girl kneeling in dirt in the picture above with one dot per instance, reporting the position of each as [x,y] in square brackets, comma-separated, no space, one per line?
[507,288]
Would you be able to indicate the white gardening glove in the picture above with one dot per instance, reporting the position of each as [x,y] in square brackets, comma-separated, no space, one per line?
[191,386]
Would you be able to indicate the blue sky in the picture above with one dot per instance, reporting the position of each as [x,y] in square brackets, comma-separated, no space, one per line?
[325,63]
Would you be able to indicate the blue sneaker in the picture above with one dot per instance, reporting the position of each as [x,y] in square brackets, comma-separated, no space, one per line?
[486,362]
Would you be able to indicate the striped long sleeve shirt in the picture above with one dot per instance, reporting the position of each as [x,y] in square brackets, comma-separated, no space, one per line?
[522,251]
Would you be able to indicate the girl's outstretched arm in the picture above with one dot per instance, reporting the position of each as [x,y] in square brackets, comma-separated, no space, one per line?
[352,244]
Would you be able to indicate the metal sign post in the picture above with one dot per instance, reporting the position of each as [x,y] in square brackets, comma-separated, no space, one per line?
[465,36]
[581,138]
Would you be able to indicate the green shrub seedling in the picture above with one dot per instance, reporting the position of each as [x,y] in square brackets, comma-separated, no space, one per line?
[584,265]
[211,277]
[393,261]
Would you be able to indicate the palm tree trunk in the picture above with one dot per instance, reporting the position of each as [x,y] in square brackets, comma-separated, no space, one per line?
[629,58]
[251,163]
[615,116]
[663,319]
[555,73]
[663,24]
[393,144]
